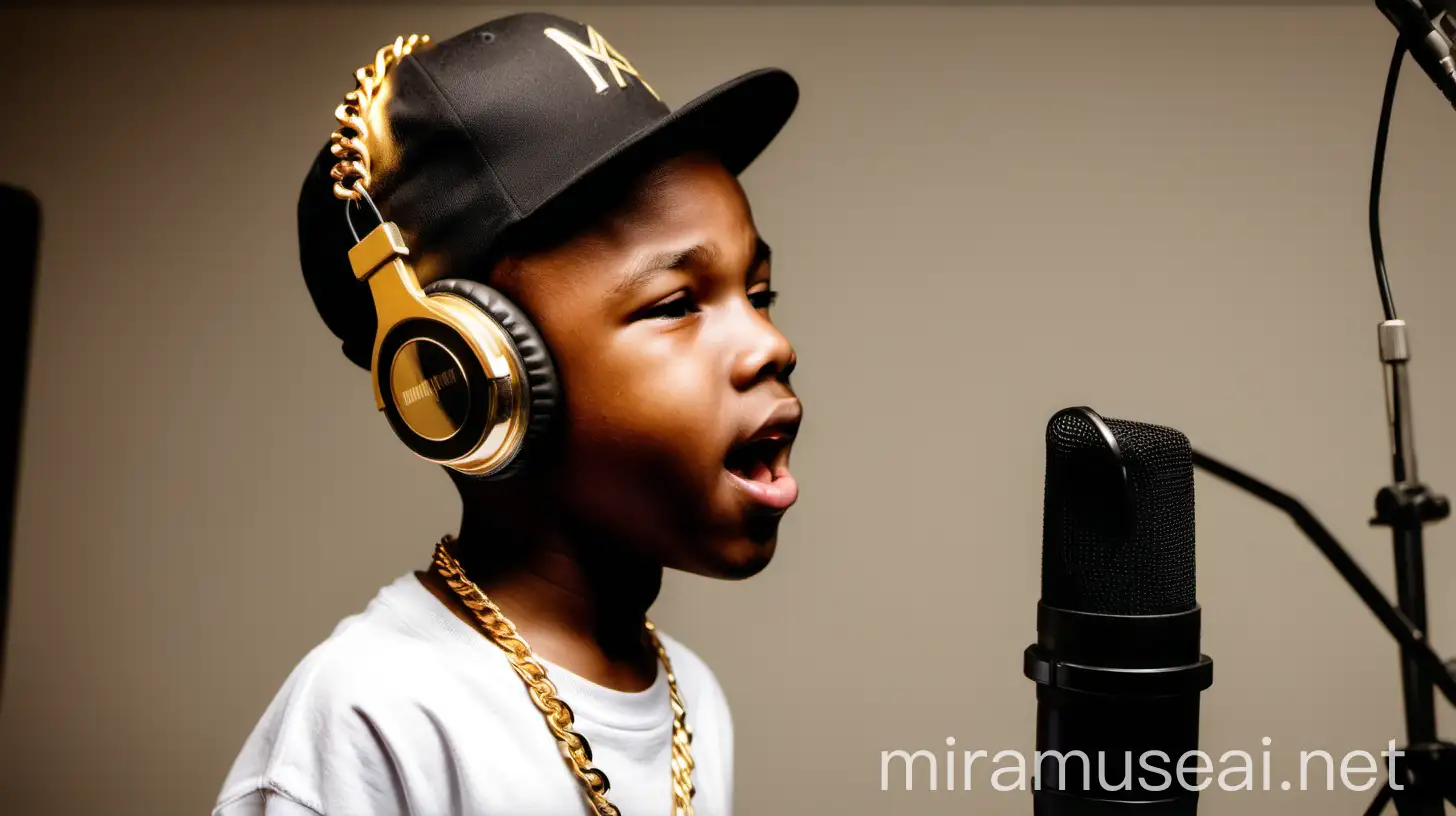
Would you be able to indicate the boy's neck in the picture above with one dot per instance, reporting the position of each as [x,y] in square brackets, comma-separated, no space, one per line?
[578,604]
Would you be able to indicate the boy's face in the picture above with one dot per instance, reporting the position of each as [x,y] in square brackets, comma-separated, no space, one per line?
[678,411]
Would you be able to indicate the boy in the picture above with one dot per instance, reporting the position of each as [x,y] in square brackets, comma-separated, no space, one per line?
[653,421]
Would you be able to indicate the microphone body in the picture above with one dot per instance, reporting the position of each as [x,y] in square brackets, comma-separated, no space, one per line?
[1117,661]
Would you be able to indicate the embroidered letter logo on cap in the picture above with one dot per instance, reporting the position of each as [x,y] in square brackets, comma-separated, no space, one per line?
[601,51]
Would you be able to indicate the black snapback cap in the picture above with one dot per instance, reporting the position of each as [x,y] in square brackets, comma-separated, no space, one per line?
[472,136]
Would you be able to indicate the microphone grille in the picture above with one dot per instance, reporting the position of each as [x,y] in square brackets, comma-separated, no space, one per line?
[1118,523]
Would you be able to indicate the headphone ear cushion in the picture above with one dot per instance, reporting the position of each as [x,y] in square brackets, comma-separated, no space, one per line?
[541,382]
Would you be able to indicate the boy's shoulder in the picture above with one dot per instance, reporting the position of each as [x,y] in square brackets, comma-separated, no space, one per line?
[375,655]
[369,682]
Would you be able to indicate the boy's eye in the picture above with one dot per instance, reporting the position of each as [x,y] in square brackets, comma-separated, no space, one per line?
[763,299]
[675,307]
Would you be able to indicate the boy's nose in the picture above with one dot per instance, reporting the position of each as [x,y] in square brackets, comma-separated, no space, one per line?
[767,354]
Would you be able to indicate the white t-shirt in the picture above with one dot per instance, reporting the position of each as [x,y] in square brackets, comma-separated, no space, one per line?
[406,709]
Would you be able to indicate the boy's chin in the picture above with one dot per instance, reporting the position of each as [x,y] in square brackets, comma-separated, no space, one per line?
[738,558]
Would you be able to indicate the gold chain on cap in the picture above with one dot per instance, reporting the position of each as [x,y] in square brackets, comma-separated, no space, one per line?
[351,174]
[559,718]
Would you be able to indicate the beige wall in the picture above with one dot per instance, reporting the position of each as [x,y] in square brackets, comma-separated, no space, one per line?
[979,216]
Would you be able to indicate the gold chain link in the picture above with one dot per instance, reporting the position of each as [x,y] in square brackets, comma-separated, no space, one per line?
[347,143]
[559,719]
[682,736]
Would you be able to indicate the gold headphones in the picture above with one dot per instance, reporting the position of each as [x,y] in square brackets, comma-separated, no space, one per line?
[459,370]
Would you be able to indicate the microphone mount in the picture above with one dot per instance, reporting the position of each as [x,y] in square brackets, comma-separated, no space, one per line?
[1427,29]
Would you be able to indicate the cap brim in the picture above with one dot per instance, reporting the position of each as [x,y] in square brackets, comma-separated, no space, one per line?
[734,122]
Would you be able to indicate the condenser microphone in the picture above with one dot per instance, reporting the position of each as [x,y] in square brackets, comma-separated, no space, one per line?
[1428,29]
[1117,661]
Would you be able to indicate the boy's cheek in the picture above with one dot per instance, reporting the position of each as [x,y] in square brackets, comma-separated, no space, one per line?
[656,405]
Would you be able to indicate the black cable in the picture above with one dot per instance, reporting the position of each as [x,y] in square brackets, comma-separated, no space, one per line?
[1377,176]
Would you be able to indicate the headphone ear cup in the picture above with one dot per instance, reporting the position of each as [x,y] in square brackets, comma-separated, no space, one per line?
[541,383]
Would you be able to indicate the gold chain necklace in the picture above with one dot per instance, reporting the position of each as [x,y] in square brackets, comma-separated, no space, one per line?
[574,747]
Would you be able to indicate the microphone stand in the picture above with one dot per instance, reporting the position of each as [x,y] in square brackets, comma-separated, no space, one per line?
[1405,506]
[1430,764]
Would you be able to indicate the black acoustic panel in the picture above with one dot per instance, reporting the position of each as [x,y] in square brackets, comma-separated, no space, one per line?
[19,248]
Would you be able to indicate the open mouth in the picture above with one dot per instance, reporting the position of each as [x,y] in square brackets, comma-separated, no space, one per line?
[760,466]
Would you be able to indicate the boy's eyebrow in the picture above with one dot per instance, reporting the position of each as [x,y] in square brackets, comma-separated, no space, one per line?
[653,265]
[762,252]
[677,258]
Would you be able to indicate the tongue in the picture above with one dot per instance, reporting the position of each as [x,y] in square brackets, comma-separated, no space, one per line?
[759,472]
